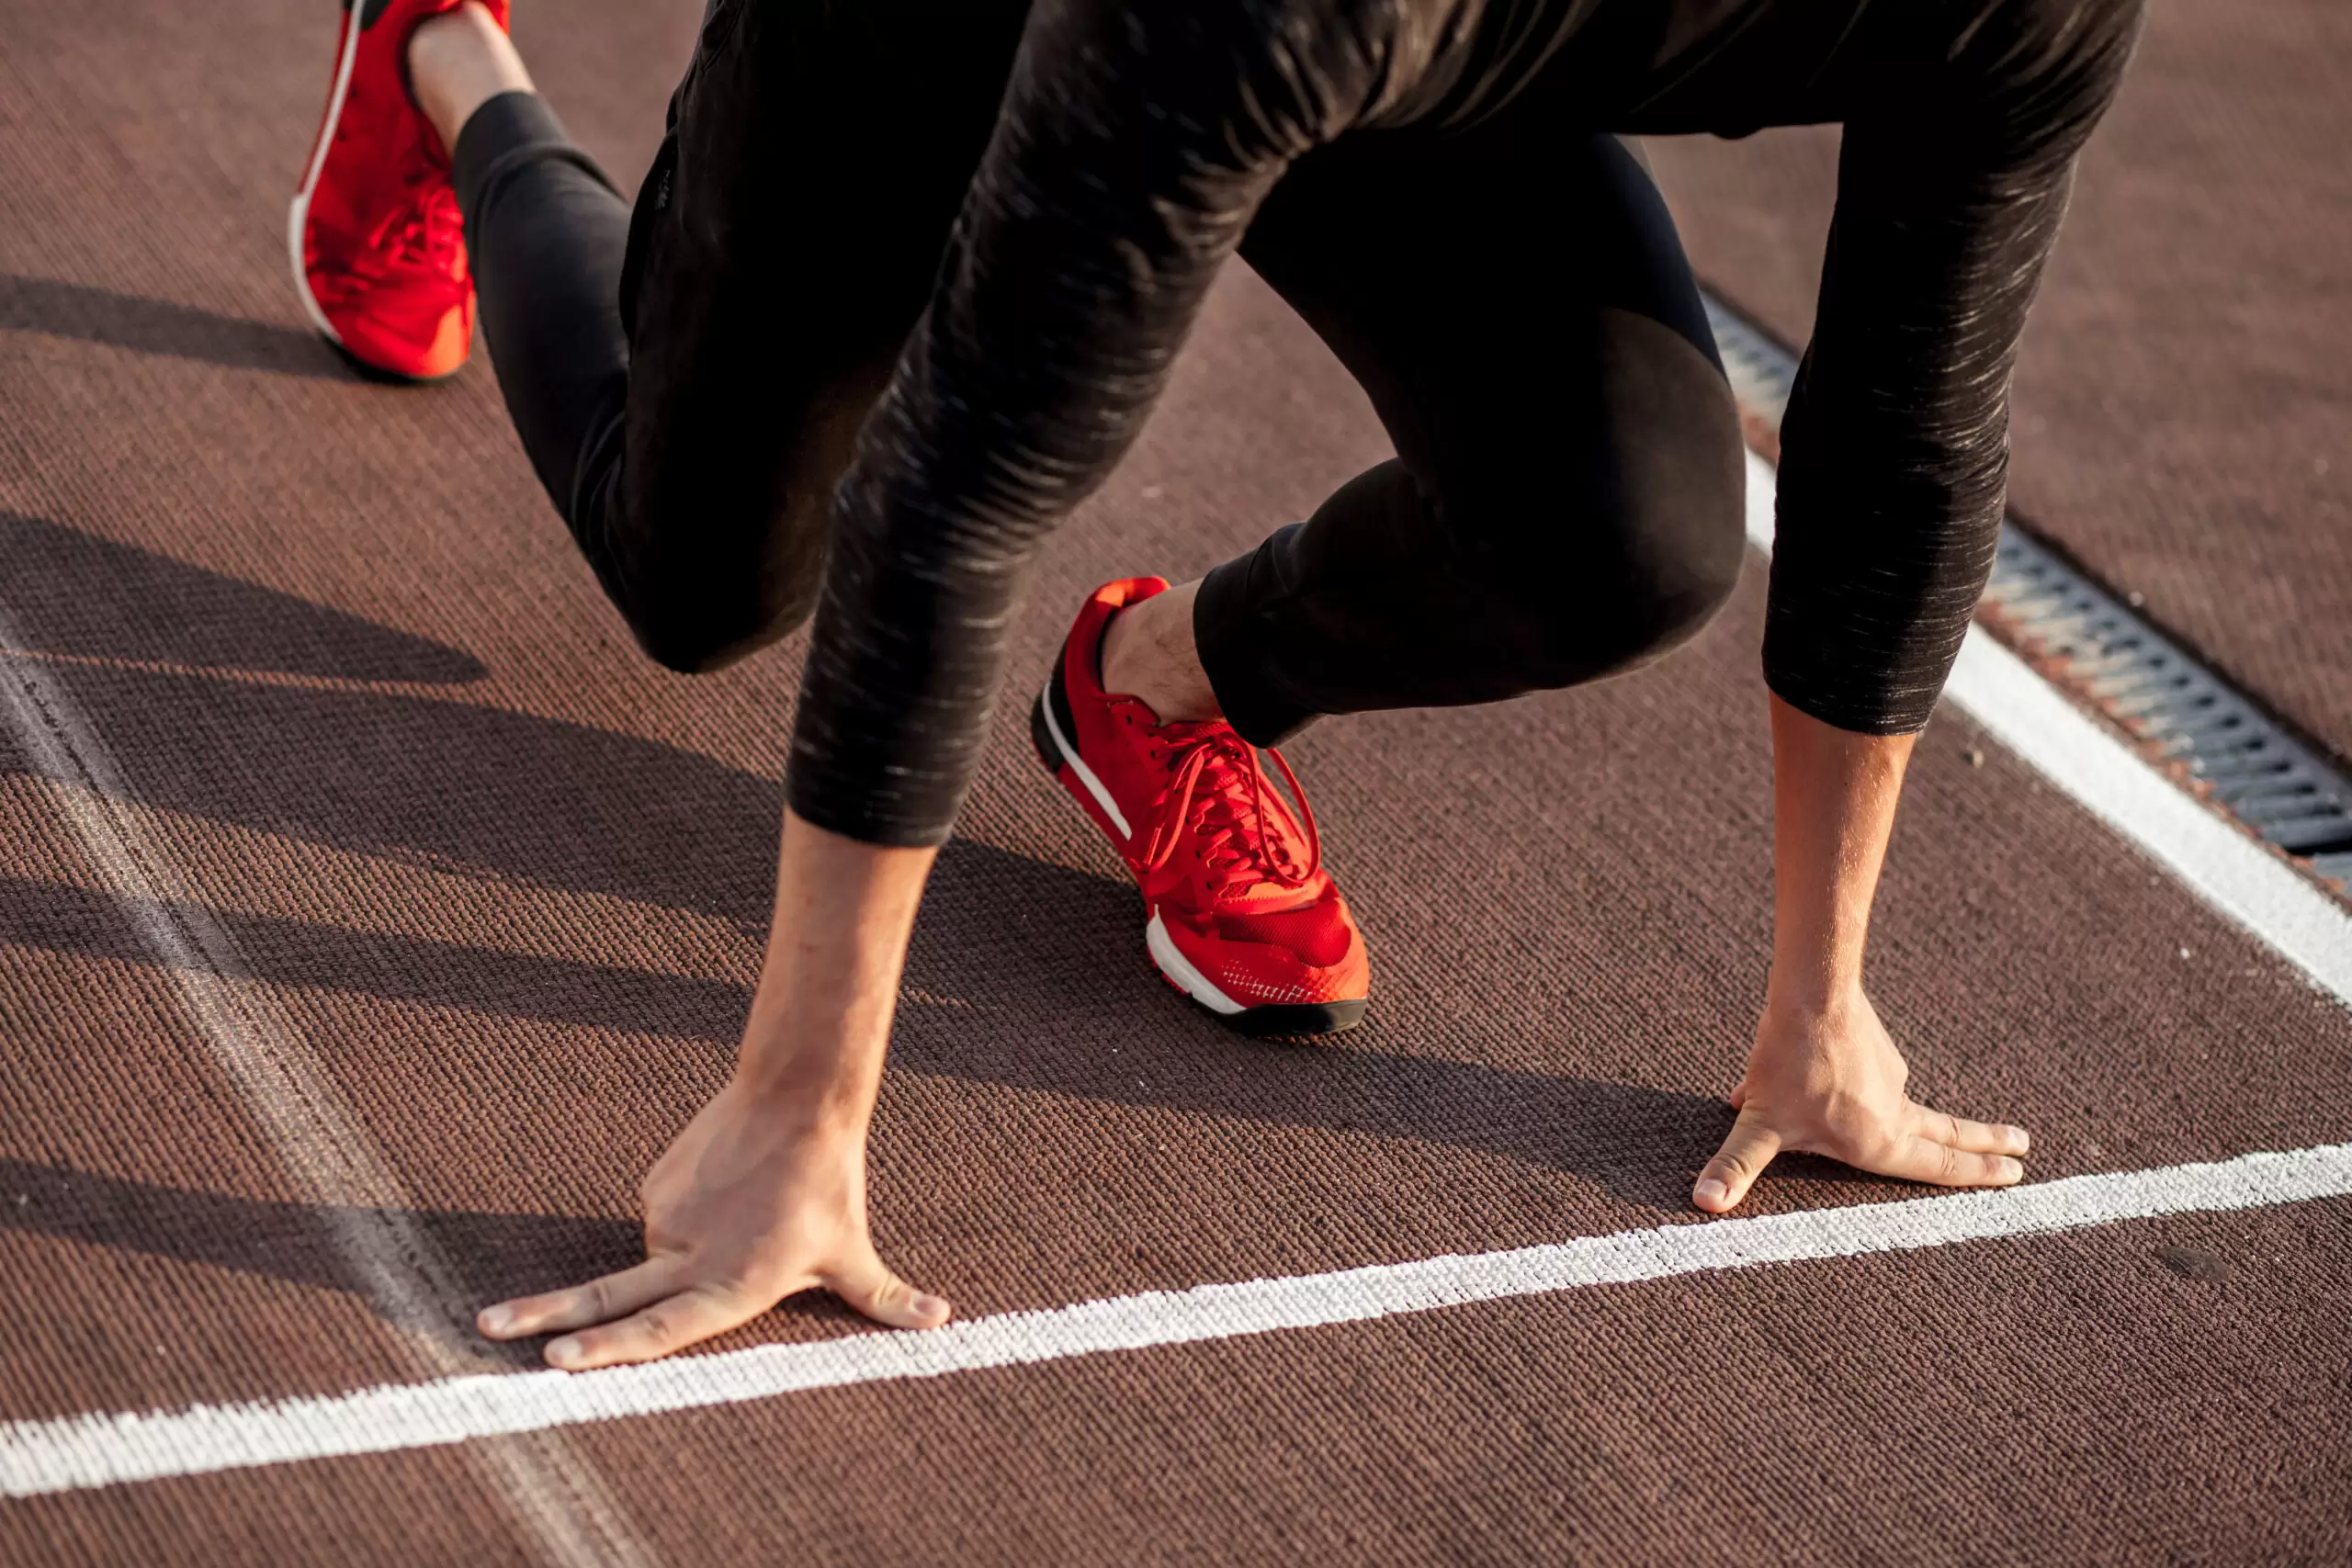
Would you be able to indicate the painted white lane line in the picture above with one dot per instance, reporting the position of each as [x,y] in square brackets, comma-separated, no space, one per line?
[2243,879]
[2248,883]
[39,1457]
[1763,489]
[556,1501]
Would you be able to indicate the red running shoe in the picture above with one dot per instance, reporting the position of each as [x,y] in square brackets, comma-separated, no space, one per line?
[1243,917]
[379,247]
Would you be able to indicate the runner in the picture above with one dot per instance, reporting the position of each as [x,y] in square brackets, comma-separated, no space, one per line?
[902,285]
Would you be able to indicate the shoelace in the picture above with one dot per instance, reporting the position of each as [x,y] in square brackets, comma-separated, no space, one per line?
[426,228]
[1236,798]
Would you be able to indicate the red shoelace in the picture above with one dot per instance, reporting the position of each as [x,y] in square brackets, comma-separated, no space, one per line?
[425,229]
[1218,777]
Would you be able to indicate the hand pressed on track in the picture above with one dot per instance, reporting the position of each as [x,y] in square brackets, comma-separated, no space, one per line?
[752,1203]
[1829,1081]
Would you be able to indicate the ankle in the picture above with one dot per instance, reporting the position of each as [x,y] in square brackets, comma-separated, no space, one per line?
[458,61]
[1149,654]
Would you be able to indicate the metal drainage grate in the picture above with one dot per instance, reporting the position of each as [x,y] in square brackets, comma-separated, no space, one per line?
[2185,717]
[1762,373]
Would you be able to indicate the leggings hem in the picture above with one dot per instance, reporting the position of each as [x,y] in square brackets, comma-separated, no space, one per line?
[1225,618]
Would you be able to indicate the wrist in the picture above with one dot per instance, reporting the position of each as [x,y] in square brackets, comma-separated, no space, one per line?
[812,1060]
[1811,993]
[814,1078]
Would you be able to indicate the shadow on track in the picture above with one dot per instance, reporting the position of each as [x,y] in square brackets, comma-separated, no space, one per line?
[457,786]
[395,967]
[158,326]
[1065,1007]
[74,594]
[1025,974]
[1031,976]
[493,1254]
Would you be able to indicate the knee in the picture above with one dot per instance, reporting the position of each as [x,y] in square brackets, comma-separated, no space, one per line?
[690,646]
[1691,563]
[709,538]
[1634,567]
[1672,595]
[700,624]
[1646,608]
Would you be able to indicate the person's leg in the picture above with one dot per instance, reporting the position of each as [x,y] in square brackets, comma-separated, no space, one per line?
[1567,499]
[688,378]
[546,233]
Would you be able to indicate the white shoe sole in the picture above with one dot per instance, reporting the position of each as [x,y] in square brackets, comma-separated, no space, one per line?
[298,214]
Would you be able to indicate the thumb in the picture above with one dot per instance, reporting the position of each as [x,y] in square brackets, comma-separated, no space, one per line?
[866,1284]
[1745,1153]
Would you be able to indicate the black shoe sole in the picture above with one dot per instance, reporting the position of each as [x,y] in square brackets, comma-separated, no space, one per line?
[1296,1020]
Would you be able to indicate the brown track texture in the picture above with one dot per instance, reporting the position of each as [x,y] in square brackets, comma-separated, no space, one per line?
[505,883]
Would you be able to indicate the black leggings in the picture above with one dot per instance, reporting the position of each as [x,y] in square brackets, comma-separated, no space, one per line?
[1566,502]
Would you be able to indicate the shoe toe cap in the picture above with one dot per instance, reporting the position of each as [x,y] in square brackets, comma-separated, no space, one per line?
[1306,957]
[413,344]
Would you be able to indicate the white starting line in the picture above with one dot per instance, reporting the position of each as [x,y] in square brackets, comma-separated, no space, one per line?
[2237,876]
[76,1451]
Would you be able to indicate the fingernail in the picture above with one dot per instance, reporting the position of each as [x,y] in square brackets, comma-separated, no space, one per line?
[2012,1170]
[2025,1140]
[563,1352]
[1710,1191]
[928,1305]
[497,1320]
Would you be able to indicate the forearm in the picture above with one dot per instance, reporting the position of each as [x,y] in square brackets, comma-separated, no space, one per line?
[1895,447]
[1132,148]
[1834,800]
[1824,1076]
[820,1019]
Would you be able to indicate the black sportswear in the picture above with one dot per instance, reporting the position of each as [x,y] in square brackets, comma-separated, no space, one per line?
[844,199]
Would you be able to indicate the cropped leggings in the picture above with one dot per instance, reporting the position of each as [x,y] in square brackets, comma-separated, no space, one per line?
[688,379]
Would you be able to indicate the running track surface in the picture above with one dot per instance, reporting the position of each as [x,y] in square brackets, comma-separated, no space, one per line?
[487,891]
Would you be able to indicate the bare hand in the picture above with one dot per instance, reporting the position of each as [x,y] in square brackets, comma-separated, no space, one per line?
[1829,1081]
[749,1204]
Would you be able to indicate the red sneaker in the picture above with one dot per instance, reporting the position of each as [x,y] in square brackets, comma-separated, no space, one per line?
[378,248]
[1243,917]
